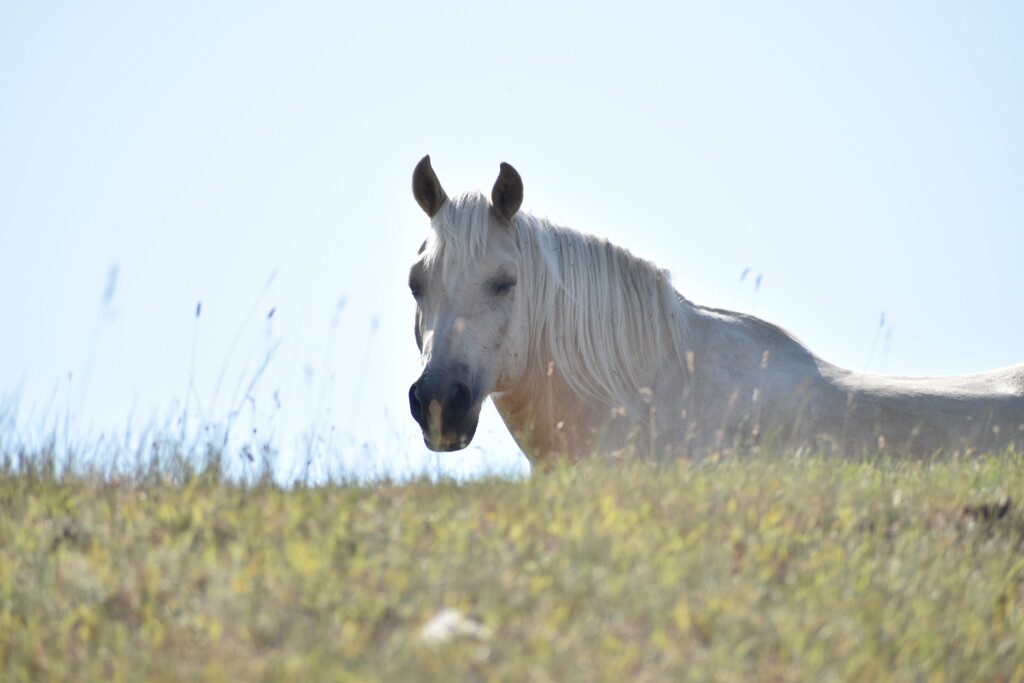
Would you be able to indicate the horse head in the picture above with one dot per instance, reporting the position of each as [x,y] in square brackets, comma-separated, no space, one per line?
[469,309]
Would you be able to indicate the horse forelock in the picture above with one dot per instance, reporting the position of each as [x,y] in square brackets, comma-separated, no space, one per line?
[459,235]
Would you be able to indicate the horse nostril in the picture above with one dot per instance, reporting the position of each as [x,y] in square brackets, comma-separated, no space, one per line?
[415,405]
[454,404]
[459,401]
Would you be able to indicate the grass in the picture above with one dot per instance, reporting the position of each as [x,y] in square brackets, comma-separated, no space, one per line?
[780,568]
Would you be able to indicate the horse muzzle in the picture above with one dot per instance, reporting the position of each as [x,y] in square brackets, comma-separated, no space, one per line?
[447,412]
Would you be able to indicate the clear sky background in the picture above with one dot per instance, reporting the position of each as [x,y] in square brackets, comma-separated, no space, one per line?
[863,159]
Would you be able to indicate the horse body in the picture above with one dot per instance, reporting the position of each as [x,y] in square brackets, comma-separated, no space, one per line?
[586,348]
[925,415]
[757,381]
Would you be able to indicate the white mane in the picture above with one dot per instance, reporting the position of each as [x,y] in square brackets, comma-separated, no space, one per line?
[603,317]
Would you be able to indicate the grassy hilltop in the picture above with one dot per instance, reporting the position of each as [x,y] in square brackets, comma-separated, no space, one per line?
[779,568]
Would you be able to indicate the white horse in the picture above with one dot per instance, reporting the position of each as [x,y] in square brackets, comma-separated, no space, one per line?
[586,348]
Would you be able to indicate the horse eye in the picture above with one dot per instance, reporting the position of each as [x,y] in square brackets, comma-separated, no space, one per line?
[503,286]
[415,288]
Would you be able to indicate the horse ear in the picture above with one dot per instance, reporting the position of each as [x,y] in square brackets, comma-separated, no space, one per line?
[427,188]
[507,195]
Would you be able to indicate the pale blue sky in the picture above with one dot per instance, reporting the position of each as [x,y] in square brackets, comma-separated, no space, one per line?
[862,159]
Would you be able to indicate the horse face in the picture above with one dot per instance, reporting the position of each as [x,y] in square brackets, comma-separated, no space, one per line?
[466,313]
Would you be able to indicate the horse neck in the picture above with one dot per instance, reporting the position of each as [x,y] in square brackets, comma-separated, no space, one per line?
[549,419]
[552,414]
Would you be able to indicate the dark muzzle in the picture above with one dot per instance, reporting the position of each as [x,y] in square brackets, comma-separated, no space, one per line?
[445,412]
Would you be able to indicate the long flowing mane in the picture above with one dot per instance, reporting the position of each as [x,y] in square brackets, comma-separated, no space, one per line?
[604,318]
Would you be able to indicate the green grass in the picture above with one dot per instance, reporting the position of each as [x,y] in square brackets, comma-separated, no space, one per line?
[768,569]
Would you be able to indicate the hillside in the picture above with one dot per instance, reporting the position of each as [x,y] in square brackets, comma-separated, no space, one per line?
[771,568]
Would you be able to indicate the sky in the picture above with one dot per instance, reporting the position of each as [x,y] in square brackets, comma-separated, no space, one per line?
[206,217]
